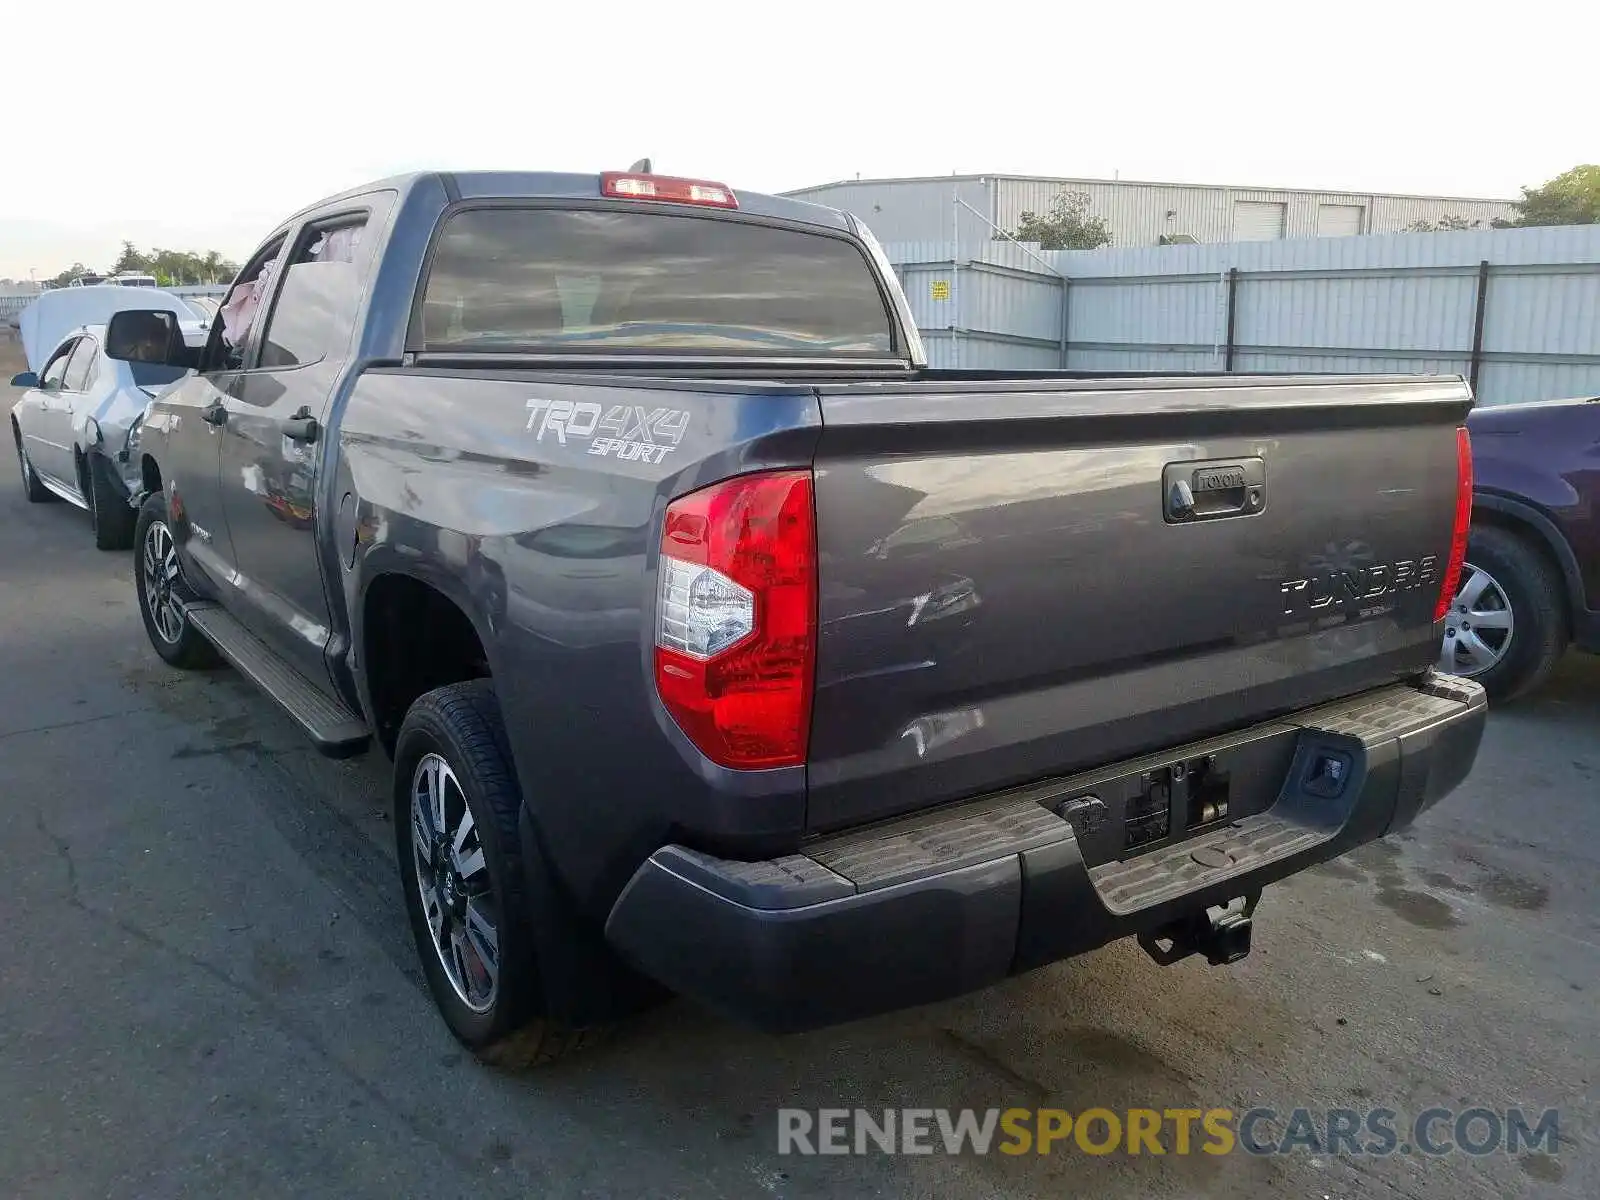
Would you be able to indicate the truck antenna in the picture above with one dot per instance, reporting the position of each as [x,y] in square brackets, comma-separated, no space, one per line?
[642,167]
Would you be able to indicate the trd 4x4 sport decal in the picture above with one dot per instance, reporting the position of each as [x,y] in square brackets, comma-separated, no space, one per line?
[631,432]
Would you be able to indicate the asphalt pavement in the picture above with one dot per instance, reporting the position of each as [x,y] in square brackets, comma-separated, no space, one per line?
[207,985]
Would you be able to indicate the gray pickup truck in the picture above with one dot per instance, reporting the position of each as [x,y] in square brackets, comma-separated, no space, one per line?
[723,648]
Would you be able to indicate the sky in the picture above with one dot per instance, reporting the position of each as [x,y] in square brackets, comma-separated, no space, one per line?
[200,127]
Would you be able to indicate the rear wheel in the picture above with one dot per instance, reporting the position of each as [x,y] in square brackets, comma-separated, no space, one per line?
[1507,625]
[32,486]
[114,518]
[456,805]
[158,578]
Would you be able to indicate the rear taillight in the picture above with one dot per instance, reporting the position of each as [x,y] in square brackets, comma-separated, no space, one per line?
[621,185]
[1458,536]
[736,618]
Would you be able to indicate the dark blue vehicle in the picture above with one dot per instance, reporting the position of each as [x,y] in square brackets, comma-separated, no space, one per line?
[724,648]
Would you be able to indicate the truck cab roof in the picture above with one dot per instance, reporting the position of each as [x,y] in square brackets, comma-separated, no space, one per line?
[495,185]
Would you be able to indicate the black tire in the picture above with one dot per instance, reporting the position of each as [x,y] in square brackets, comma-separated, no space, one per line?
[1533,590]
[114,518]
[461,724]
[32,487]
[177,642]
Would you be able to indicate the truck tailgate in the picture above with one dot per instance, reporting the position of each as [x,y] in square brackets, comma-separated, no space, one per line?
[1022,583]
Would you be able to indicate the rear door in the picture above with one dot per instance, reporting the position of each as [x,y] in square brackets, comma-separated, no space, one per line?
[45,424]
[272,450]
[1007,592]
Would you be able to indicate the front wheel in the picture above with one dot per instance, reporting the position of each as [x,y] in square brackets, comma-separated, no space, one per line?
[456,804]
[158,578]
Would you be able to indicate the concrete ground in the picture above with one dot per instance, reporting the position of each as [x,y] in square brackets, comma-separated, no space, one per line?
[207,987]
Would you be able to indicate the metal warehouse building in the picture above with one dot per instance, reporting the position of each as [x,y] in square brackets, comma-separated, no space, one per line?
[970,207]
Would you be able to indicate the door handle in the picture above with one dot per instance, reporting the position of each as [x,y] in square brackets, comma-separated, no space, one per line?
[302,427]
[214,415]
[1208,491]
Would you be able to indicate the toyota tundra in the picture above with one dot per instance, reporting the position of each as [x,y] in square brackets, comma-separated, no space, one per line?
[723,648]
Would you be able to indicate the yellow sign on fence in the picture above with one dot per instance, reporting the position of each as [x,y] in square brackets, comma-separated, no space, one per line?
[941,289]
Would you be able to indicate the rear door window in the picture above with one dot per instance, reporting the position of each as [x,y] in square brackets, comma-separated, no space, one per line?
[315,312]
[80,371]
[600,280]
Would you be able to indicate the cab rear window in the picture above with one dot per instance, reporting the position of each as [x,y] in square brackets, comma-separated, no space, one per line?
[598,280]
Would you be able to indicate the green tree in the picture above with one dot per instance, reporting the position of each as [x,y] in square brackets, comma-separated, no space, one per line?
[217,269]
[1068,225]
[172,268]
[1448,223]
[131,260]
[1571,198]
[76,271]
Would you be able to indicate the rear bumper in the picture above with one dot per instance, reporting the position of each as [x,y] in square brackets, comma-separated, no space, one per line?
[932,906]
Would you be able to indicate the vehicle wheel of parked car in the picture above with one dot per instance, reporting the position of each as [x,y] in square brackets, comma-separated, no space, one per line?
[456,804]
[158,578]
[1507,626]
[32,487]
[113,517]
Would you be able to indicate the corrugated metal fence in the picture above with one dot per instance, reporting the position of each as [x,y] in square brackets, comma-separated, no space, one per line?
[1518,309]
[1002,309]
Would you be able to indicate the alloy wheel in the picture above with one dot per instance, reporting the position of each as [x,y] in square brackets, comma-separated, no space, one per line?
[1479,626]
[160,565]
[453,880]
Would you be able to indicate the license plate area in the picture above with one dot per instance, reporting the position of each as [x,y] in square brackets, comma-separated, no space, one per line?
[1164,799]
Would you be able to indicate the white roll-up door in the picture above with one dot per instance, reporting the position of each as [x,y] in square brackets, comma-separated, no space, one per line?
[1339,220]
[1257,220]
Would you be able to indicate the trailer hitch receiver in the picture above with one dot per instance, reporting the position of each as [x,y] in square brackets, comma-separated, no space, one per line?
[1221,933]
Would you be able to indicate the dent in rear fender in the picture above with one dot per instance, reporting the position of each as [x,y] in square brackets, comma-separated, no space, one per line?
[491,489]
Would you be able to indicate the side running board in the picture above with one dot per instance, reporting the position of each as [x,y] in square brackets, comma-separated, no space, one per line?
[336,730]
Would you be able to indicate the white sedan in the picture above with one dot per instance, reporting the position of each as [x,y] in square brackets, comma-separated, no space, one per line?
[76,424]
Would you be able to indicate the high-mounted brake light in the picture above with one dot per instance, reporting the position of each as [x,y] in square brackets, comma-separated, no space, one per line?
[736,618]
[1463,525]
[626,185]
